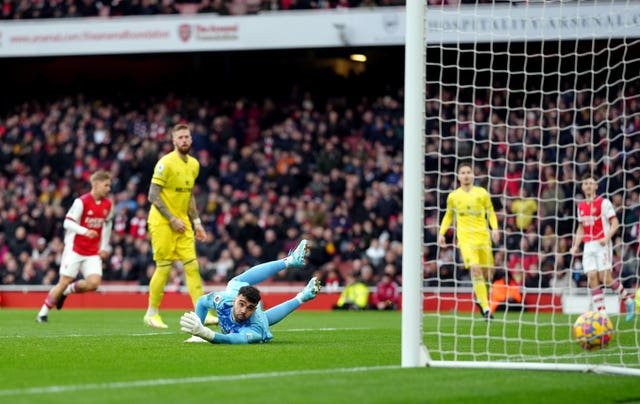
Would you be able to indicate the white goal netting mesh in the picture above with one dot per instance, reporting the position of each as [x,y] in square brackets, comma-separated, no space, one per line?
[534,95]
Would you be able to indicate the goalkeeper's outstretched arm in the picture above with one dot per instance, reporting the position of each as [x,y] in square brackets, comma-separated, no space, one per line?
[191,323]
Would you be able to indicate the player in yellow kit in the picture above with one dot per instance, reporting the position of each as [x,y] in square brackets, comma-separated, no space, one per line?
[472,208]
[173,209]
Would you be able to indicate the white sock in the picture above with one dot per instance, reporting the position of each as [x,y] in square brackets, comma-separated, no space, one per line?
[152,312]
[43,311]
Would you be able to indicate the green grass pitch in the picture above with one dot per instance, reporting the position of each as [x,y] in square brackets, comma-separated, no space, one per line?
[108,356]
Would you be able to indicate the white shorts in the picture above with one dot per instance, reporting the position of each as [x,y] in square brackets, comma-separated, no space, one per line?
[72,263]
[596,257]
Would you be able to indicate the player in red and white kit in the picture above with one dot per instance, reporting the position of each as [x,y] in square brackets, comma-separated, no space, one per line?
[597,224]
[88,230]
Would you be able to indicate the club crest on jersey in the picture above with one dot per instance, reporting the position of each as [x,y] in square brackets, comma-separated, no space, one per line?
[90,212]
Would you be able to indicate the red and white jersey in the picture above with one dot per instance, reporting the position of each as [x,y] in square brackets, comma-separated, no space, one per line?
[138,227]
[595,217]
[91,215]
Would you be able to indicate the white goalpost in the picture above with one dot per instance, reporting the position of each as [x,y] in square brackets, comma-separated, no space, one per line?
[534,95]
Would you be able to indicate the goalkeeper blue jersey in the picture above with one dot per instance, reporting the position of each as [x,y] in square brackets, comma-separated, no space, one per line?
[256,328]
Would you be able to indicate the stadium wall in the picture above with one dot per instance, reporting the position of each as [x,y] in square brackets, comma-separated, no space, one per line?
[443,302]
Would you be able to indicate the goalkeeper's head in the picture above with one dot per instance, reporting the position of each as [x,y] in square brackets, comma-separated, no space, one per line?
[245,303]
[250,293]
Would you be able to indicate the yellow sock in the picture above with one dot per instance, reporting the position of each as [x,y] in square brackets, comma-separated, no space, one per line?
[480,289]
[158,282]
[194,281]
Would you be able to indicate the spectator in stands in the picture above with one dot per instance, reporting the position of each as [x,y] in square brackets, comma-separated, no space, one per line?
[355,295]
[523,262]
[505,293]
[19,244]
[331,278]
[386,295]
[524,208]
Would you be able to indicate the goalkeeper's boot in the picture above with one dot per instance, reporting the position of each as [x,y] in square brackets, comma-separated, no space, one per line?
[487,315]
[310,291]
[630,305]
[42,319]
[60,301]
[296,257]
[211,320]
[155,321]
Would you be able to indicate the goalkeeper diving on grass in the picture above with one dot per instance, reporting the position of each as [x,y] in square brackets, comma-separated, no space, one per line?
[241,317]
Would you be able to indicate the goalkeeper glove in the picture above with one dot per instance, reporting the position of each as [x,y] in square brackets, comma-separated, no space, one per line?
[190,323]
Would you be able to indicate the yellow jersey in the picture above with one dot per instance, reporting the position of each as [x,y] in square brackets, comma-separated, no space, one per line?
[524,210]
[176,177]
[471,210]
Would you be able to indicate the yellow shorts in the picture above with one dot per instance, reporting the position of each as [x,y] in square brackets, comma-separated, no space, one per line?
[169,245]
[481,255]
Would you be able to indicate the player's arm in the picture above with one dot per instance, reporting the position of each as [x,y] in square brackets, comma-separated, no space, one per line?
[204,304]
[493,219]
[72,220]
[615,225]
[577,239]
[245,335]
[190,323]
[156,200]
[610,214]
[192,212]
[105,245]
[446,220]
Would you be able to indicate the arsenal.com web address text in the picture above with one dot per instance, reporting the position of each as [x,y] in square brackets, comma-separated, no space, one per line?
[91,36]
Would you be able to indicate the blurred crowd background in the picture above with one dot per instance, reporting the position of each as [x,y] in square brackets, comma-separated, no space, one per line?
[320,158]
[30,9]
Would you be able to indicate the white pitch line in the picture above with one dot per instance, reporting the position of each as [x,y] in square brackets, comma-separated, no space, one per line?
[321,329]
[187,380]
[85,335]
[164,333]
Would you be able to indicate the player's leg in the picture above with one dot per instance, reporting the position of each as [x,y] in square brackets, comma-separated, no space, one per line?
[52,298]
[186,252]
[606,262]
[259,273]
[471,258]
[485,256]
[69,267]
[92,270]
[310,291]
[590,267]
[616,286]
[162,242]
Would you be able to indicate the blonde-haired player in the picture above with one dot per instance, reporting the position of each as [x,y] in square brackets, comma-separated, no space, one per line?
[173,209]
[87,227]
[471,206]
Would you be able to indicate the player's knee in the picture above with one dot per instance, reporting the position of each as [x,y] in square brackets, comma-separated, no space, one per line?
[191,266]
[92,284]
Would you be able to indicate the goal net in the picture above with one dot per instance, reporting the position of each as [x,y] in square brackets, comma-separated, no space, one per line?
[533,95]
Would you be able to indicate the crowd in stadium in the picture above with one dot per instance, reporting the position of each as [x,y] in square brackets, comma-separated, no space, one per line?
[270,175]
[20,9]
[532,160]
[273,172]
[23,9]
